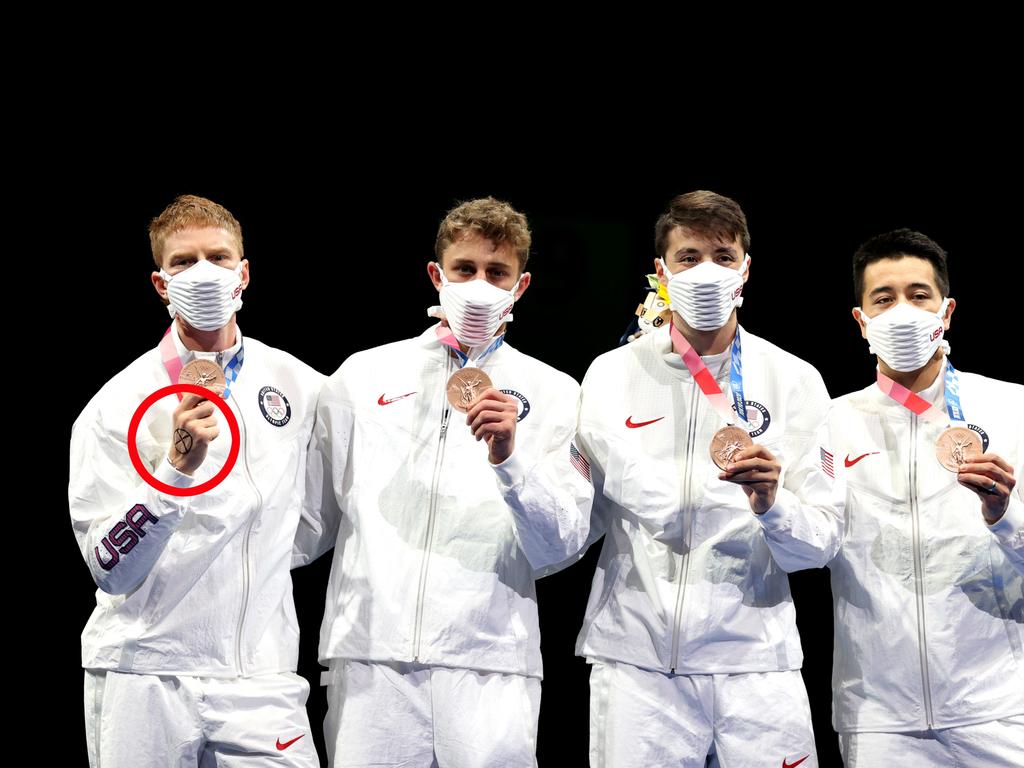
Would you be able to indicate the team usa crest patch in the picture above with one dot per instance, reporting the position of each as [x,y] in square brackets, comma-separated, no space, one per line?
[275,406]
[524,404]
[757,417]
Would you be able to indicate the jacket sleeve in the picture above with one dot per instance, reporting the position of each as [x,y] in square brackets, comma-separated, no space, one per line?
[805,526]
[549,491]
[326,461]
[1009,530]
[121,523]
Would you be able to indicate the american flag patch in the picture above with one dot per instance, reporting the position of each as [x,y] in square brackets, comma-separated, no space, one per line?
[578,461]
[826,463]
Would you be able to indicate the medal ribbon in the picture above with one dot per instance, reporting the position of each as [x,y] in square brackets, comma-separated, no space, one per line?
[446,337]
[707,383]
[918,404]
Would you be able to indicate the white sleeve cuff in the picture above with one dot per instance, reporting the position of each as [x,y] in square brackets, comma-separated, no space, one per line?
[511,472]
[166,473]
[1010,527]
[778,515]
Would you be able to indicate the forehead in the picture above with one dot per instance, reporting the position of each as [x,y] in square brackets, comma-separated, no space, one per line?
[477,248]
[682,238]
[897,272]
[199,239]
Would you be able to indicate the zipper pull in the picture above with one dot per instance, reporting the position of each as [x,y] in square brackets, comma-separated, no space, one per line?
[444,422]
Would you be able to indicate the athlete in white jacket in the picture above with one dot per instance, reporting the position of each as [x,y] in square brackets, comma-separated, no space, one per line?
[191,651]
[927,562]
[442,519]
[690,626]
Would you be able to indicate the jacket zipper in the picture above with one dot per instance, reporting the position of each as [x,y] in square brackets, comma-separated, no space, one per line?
[922,635]
[246,576]
[431,510]
[688,525]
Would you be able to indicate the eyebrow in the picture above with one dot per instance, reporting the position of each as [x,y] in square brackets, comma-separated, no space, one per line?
[912,286]
[216,250]
[717,249]
[489,264]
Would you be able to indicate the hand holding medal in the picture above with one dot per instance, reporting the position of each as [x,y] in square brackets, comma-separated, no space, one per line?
[195,427]
[991,477]
[491,415]
[959,449]
[751,466]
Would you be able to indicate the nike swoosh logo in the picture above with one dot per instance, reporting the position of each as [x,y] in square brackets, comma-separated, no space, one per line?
[794,765]
[634,424]
[849,463]
[382,401]
[282,747]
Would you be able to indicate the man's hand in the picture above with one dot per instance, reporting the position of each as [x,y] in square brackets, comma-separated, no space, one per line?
[991,477]
[195,427]
[757,472]
[492,417]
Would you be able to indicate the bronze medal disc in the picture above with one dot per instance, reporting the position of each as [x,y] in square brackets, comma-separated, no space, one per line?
[204,373]
[956,446]
[465,386]
[726,442]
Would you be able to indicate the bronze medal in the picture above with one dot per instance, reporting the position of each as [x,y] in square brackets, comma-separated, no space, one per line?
[726,442]
[204,373]
[957,446]
[465,386]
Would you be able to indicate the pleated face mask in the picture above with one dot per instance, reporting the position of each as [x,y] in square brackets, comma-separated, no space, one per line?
[476,309]
[905,337]
[705,295]
[205,295]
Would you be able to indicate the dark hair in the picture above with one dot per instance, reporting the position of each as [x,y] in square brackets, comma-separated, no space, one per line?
[896,245]
[708,214]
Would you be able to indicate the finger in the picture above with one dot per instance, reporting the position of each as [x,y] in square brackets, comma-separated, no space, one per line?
[488,403]
[201,411]
[491,417]
[994,458]
[189,401]
[753,451]
[986,468]
[746,478]
[207,434]
[492,432]
[981,484]
[755,463]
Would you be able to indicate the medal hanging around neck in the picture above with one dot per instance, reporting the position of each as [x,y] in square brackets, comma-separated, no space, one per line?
[466,384]
[202,373]
[730,439]
[957,445]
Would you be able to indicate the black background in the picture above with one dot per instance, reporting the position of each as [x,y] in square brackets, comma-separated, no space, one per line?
[338,230]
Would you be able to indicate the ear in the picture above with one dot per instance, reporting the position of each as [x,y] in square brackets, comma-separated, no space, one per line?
[524,283]
[160,285]
[244,274]
[746,269]
[949,313]
[663,277]
[858,315]
[435,274]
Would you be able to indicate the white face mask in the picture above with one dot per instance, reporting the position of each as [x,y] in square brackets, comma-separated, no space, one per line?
[476,309]
[205,295]
[705,295]
[906,337]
